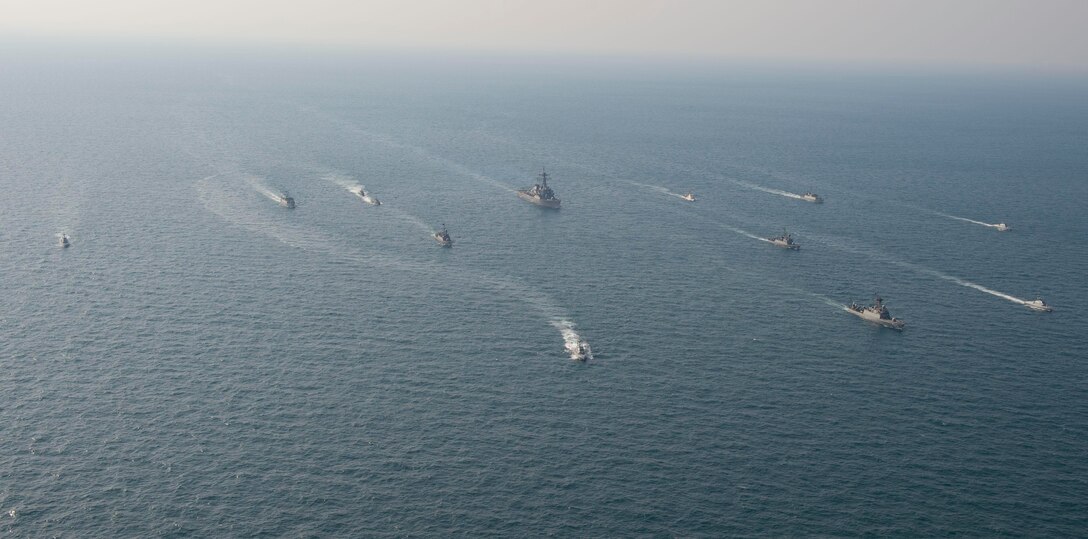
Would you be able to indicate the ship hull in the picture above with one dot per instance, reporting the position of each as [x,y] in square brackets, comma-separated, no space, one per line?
[554,204]
[442,242]
[876,319]
[784,245]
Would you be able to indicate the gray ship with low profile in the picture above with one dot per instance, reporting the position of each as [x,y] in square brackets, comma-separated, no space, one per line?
[540,194]
[286,201]
[785,241]
[1038,305]
[443,237]
[65,241]
[876,313]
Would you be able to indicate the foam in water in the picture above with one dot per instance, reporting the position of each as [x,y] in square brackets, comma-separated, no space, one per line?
[425,155]
[966,220]
[921,269]
[778,192]
[657,188]
[258,184]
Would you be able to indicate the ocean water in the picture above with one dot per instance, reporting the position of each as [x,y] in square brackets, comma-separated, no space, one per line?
[205,362]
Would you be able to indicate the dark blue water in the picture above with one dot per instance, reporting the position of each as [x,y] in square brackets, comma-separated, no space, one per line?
[204,362]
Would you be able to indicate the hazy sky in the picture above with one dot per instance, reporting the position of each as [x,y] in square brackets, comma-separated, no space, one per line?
[1045,33]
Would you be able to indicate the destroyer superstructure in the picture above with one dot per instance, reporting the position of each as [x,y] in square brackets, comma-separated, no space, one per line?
[540,194]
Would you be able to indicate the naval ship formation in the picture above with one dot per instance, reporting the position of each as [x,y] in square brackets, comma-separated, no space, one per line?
[540,194]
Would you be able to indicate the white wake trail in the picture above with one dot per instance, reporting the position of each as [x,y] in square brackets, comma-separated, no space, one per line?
[969,284]
[966,220]
[657,188]
[778,192]
[424,154]
[872,253]
[258,184]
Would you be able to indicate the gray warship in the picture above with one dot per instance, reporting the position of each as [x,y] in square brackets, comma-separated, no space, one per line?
[286,201]
[443,237]
[540,194]
[877,313]
[785,241]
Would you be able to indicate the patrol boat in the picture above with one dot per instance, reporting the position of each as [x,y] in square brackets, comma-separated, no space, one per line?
[366,197]
[1038,305]
[64,241]
[540,194]
[812,197]
[877,313]
[785,241]
[443,237]
[286,201]
[689,197]
[1002,227]
[579,350]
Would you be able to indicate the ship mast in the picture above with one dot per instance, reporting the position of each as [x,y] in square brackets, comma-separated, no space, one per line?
[543,177]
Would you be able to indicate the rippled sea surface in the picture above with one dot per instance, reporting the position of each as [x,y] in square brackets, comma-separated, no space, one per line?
[202,361]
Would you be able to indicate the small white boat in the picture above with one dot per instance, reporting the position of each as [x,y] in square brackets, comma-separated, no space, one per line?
[689,197]
[812,197]
[65,241]
[1002,227]
[1038,305]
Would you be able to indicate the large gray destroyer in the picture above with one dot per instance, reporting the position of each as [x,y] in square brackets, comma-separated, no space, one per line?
[540,194]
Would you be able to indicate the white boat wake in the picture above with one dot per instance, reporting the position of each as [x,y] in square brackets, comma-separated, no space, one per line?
[420,152]
[778,192]
[920,269]
[657,188]
[999,226]
[259,185]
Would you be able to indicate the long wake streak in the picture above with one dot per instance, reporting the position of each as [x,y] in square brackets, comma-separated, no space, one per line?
[258,184]
[424,154]
[657,188]
[778,192]
[966,220]
[915,267]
